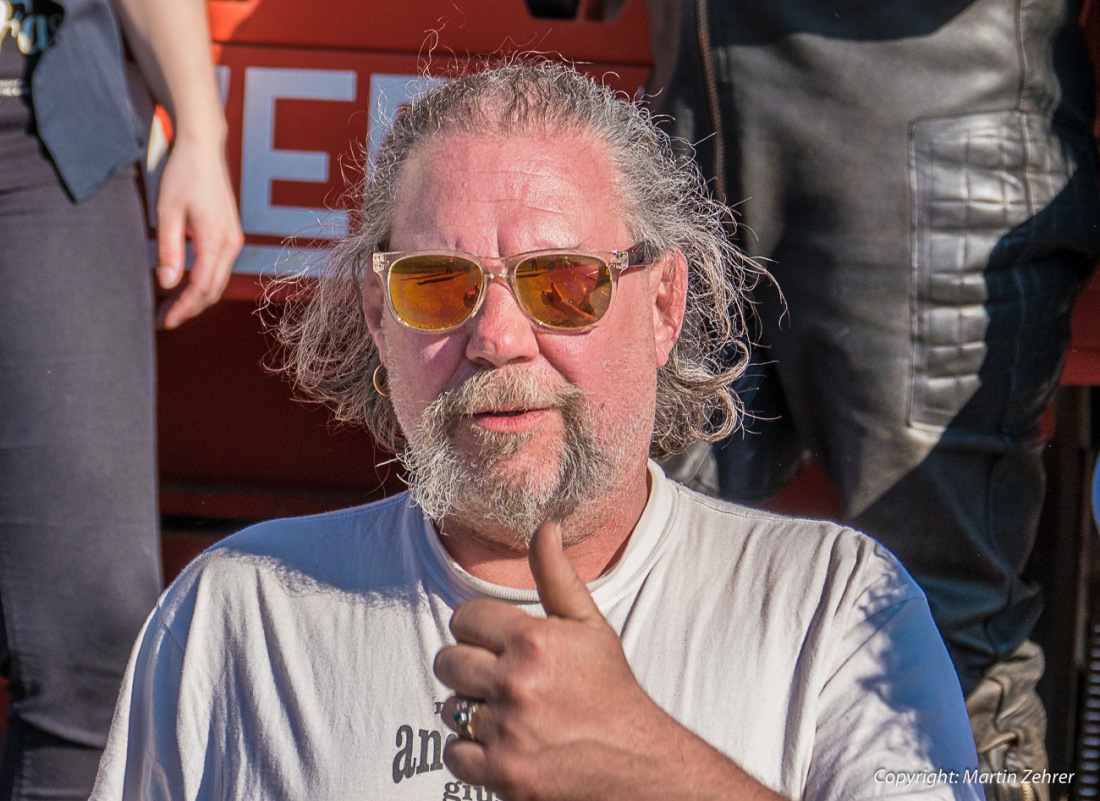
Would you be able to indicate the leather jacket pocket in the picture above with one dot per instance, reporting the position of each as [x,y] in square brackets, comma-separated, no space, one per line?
[997,226]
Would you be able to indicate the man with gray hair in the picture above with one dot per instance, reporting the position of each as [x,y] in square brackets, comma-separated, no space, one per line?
[539,300]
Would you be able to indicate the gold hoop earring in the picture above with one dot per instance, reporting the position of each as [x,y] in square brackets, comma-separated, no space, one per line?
[379,386]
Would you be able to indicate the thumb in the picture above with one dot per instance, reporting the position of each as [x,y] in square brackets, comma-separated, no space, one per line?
[561,590]
[170,248]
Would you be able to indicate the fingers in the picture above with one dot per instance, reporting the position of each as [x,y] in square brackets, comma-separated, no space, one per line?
[561,590]
[486,623]
[170,248]
[215,244]
[196,202]
[467,669]
[480,722]
[522,672]
[205,283]
[469,760]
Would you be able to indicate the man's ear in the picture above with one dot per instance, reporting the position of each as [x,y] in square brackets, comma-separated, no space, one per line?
[668,281]
[374,302]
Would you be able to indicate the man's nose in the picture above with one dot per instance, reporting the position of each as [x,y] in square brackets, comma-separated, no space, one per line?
[500,332]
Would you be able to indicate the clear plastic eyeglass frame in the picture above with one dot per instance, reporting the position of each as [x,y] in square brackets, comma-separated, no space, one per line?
[617,262]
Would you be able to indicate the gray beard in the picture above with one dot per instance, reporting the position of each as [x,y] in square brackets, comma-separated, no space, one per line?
[475,490]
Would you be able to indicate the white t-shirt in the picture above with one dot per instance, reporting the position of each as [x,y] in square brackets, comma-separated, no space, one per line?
[293,660]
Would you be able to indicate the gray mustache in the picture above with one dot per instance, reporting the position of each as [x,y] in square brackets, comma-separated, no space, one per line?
[503,388]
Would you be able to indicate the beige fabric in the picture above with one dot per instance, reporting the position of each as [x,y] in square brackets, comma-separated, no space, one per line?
[1009,725]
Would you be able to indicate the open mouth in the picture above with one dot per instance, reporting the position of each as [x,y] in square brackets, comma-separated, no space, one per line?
[507,419]
[504,412]
[510,412]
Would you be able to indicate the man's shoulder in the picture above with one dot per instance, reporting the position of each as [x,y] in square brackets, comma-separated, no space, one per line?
[342,551]
[289,535]
[786,551]
[711,516]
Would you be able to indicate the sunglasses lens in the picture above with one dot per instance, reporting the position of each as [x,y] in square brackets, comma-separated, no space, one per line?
[434,292]
[563,290]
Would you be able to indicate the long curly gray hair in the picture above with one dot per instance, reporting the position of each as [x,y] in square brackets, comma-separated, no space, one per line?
[329,353]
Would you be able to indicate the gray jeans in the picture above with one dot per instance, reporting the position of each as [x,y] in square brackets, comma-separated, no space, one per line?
[79,558]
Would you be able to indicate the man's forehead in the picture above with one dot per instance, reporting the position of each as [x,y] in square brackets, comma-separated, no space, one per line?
[549,155]
[558,183]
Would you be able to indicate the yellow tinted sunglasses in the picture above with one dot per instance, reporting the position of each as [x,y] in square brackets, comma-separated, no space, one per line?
[562,290]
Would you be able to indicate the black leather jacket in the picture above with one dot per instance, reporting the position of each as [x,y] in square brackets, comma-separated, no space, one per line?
[940,58]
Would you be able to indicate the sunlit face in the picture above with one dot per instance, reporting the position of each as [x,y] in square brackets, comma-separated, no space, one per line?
[497,196]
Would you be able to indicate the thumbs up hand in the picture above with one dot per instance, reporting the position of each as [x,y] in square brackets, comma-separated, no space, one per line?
[561,591]
[558,708]
[550,709]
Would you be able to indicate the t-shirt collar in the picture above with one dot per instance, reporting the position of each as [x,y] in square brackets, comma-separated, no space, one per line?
[651,531]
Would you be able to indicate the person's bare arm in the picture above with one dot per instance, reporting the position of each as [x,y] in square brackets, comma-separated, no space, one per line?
[563,717]
[170,42]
